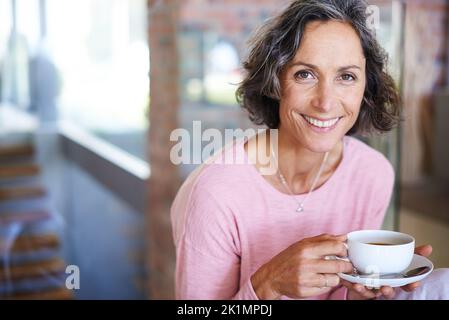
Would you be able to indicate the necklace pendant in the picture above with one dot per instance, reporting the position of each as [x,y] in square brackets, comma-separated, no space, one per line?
[300,208]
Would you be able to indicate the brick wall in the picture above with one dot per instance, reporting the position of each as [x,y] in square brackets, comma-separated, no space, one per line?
[233,20]
[163,184]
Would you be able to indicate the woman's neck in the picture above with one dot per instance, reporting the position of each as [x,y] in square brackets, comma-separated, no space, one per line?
[300,165]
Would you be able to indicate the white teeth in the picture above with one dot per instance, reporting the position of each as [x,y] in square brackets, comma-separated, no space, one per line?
[321,124]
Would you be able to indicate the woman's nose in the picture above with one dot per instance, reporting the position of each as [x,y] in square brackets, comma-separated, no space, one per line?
[324,98]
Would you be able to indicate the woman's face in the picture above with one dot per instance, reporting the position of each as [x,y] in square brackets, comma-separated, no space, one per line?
[322,88]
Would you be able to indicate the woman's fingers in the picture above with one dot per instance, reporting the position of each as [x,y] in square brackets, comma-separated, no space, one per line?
[314,291]
[362,291]
[365,292]
[346,283]
[388,292]
[372,293]
[328,266]
[323,248]
[412,286]
[341,237]
[424,251]
[321,280]
[355,291]
[326,236]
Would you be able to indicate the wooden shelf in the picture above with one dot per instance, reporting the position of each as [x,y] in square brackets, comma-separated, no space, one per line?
[21,193]
[32,270]
[24,217]
[16,151]
[16,171]
[30,243]
[51,294]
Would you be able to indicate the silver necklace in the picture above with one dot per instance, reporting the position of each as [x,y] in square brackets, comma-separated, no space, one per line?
[284,182]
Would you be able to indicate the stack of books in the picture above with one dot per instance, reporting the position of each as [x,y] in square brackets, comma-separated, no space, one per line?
[30,263]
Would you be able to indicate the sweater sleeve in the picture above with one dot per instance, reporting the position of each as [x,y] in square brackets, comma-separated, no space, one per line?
[208,253]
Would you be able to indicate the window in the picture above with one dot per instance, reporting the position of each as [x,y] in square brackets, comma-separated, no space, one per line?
[85,61]
[19,35]
[5,32]
[213,39]
[210,68]
[101,52]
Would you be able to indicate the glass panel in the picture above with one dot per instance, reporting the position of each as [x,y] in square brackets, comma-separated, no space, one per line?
[85,61]
[19,38]
[5,27]
[212,43]
[389,35]
[210,73]
[222,71]
[191,65]
[28,22]
[5,33]
[101,52]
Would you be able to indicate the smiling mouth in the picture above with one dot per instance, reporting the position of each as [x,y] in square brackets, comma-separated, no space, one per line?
[329,123]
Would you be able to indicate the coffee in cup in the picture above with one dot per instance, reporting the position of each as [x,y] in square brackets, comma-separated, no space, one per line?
[380,251]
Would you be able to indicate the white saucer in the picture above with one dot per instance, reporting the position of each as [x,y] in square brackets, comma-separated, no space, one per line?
[375,282]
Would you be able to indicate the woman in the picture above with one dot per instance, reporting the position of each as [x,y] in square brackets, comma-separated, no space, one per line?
[316,74]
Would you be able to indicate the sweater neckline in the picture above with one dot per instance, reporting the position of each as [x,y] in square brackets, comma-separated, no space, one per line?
[259,179]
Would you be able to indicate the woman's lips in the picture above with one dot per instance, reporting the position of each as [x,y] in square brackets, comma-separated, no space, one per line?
[320,129]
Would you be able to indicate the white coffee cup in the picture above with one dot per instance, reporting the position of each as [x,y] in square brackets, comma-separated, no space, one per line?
[380,251]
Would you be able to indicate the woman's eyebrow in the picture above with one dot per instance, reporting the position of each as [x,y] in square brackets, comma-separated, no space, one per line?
[312,66]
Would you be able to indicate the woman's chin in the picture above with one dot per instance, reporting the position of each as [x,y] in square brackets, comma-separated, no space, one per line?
[320,146]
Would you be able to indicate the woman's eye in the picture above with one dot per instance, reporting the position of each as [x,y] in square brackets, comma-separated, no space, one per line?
[347,77]
[303,75]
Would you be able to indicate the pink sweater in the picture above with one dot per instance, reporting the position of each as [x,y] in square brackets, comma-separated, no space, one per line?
[228,220]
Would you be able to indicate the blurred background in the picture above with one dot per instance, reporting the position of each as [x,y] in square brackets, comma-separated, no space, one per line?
[90,91]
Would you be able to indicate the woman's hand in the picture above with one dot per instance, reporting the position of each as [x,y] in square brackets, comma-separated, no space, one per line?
[300,270]
[360,292]
[357,291]
[424,251]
